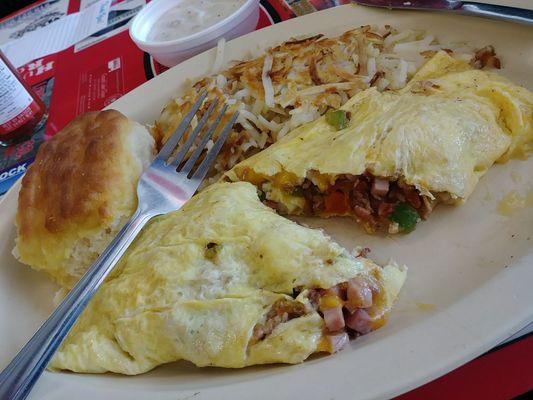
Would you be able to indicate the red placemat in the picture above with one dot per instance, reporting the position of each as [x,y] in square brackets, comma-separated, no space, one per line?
[502,373]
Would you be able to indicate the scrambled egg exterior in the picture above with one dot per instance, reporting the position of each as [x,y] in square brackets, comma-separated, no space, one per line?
[440,133]
[197,281]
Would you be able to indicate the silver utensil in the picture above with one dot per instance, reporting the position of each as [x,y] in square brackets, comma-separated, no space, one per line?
[513,14]
[165,186]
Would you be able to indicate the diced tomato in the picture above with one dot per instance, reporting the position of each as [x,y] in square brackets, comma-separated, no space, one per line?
[337,202]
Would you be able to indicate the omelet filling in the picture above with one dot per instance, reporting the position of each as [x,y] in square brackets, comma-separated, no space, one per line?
[378,204]
[351,308]
[281,311]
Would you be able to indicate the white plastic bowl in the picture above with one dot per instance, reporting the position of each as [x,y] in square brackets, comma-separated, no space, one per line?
[172,52]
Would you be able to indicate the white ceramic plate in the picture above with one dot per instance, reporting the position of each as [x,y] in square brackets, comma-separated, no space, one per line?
[470,277]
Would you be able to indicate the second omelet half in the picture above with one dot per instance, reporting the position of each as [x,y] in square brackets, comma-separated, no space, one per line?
[227,282]
[389,158]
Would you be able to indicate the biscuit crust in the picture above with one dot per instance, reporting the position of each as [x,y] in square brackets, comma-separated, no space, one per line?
[82,181]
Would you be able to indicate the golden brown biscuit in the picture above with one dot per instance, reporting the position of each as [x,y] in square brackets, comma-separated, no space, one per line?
[79,192]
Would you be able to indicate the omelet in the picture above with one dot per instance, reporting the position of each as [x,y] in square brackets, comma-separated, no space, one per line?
[227,282]
[387,158]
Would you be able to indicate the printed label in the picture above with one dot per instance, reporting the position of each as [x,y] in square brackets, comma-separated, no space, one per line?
[14,98]
[100,86]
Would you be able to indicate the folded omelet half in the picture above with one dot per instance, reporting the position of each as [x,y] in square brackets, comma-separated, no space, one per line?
[227,282]
[388,158]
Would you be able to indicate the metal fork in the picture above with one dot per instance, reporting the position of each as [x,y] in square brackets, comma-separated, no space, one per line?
[165,186]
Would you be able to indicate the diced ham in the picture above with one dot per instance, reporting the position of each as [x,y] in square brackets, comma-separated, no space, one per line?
[337,342]
[359,321]
[361,212]
[334,319]
[380,187]
[359,294]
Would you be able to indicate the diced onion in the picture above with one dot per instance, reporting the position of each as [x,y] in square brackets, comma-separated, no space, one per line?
[267,82]
[219,55]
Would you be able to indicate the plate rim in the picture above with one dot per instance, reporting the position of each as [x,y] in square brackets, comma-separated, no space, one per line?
[521,270]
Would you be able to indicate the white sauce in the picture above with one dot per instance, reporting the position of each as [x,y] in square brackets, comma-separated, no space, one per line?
[191,16]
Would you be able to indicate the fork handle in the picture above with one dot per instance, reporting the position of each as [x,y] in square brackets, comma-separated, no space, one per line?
[18,378]
[493,11]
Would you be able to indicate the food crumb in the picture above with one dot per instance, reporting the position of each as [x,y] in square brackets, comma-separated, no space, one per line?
[362,251]
[426,306]
[513,202]
[516,177]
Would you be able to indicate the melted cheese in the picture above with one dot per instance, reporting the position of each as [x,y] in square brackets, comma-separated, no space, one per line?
[330,301]
[197,281]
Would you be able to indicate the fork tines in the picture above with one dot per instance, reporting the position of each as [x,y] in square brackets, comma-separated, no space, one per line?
[170,146]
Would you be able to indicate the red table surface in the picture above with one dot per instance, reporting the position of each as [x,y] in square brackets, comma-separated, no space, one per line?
[502,373]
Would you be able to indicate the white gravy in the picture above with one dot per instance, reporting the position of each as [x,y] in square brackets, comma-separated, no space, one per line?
[191,16]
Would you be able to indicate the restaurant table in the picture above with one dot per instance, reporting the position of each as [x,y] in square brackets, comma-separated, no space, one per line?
[101,68]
